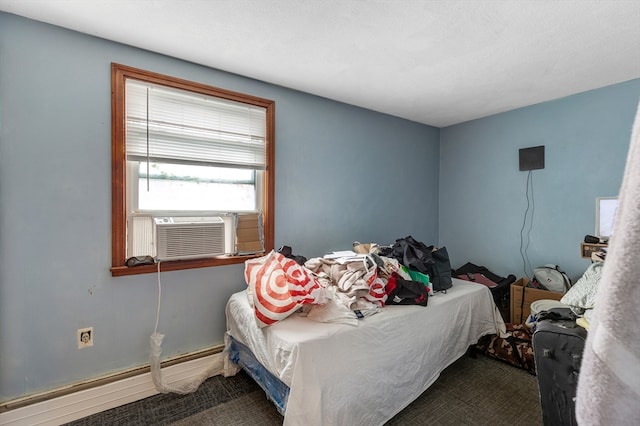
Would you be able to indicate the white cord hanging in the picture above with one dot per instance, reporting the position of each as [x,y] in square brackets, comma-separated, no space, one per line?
[183,387]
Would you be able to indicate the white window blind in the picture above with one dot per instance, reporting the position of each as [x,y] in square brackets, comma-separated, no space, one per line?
[171,125]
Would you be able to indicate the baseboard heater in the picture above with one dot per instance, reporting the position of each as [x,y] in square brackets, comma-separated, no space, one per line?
[80,400]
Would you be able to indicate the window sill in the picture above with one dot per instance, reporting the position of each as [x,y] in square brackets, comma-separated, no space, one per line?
[176,265]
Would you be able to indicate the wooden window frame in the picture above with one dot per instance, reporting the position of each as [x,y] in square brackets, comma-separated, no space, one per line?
[119,74]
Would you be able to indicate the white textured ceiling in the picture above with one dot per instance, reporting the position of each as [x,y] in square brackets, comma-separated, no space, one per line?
[434,62]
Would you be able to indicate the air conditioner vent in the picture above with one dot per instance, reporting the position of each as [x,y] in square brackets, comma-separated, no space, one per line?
[189,238]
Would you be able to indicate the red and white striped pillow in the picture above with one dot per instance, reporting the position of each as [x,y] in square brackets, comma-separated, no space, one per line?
[278,286]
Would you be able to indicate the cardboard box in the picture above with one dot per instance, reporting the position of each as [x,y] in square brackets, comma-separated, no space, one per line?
[587,249]
[523,305]
[249,234]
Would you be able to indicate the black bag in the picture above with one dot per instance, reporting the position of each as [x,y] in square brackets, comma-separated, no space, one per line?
[475,269]
[422,258]
[405,292]
[501,293]
[440,269]
[412,254]
[556,314]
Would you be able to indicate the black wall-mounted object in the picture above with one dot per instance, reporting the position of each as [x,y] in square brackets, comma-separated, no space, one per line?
[532,158]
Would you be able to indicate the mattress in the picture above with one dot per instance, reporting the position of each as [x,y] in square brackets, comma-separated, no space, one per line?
[341,374]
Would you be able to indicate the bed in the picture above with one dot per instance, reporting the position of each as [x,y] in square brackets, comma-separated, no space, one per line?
[338,374]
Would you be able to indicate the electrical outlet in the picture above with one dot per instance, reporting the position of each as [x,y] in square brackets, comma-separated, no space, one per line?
[85,337]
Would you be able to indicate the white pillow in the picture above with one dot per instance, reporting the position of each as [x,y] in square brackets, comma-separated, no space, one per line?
[584,293]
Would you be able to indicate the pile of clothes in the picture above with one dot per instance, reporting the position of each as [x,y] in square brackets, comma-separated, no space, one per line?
[345,286]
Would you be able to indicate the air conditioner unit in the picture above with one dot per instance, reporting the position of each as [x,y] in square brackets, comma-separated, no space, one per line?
[188,237]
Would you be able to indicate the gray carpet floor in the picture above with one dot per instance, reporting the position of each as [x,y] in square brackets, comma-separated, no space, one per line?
[472,391]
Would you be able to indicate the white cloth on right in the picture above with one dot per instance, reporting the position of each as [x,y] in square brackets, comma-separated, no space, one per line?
[609,383]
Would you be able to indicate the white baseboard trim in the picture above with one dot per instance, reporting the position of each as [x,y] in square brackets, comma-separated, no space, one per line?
[77,405]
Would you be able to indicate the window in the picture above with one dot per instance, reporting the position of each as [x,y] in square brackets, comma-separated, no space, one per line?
[187,153]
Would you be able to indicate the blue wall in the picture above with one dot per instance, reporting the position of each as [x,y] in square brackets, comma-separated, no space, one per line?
[343,174]
[482,191]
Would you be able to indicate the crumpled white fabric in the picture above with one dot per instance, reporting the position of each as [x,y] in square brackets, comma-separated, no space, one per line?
[583,294]
[182,387]
[350,276]
[340,308]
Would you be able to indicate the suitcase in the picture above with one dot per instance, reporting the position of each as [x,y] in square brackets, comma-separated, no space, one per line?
[558,346]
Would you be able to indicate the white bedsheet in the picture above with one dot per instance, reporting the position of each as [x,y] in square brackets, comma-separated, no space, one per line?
[344,375]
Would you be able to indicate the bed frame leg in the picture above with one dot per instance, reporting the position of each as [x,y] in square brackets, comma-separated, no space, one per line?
[472,351]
